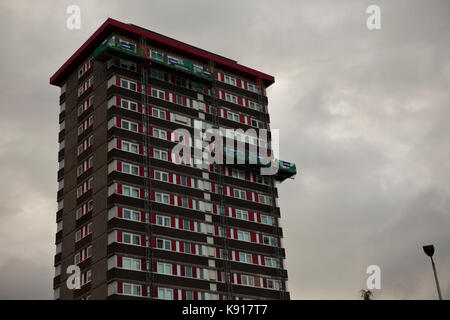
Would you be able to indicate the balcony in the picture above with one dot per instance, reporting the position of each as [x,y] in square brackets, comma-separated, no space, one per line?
[121,48]
[129,50]
[285,169]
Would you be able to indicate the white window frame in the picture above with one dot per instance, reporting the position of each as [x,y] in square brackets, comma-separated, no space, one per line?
[158,113]
[162,155]
[134,264]
[166,268]
[159,175]
[160,133]
[134,215]
[167,293]
[132,190]
[126,84]
[129,105]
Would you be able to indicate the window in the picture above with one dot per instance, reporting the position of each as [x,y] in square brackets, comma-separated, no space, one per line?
[187,247]
[127,288]
[164,268]
[221,231]
[130,169]
[85,145]
[131,289]
[166,221]
[131,191]
[271,262]
[130,147]
[86,165]
[232,116]
[158,94]
[247,280]
[184,202]
[188,272]
[255,106]
[263,180]
[130,238]
[196,204]
[263,219]
[186,225]
[159,133]
[161,176]
[230,98]
[129,214]
[163,221]
[230,80]
[131,264]
[83,255]
[86,277]
[264,199]
[85,187]
[183,181]
[160,154]
[241,214]
[83,232]
[257,124]
[85,208]
[243,236]
[240,194]
[245,257]
[86,124]
[163,244]
[128,84]
[157,113]
[237,173]
[86,85]
[162,198]
[253,88]
[271,241]
[267,220]
[129,105]
[167,245]
[131,126]
[165,293]
[189,295]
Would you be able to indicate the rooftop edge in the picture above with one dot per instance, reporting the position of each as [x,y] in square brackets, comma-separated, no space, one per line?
[112,25]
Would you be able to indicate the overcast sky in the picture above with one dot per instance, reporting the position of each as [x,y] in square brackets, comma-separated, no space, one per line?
[364,115]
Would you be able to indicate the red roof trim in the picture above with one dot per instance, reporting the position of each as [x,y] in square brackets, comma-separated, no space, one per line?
[112,25]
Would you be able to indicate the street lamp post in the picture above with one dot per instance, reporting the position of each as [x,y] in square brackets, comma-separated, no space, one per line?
[429,251]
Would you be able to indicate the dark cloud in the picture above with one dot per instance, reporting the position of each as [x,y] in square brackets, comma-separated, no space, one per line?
[364,114]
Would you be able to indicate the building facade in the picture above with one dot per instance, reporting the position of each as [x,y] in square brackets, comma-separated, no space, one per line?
[137,224]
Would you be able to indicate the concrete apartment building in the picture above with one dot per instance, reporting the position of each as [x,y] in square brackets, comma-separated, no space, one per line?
[138,225]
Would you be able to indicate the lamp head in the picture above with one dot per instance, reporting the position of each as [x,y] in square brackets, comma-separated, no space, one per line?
[429,250]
